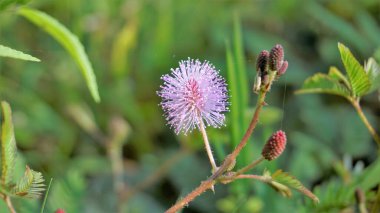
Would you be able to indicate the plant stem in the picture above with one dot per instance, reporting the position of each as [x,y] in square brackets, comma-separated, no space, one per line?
[256,177]
[250,166]
[252,125]
[358,108]
[114,151]
[207,145]
[195,193]
[9,204]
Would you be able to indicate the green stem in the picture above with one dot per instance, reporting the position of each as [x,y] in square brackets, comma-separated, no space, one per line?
[250,166]
[356,104]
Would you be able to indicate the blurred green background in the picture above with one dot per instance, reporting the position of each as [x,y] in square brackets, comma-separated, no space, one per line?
[63,133]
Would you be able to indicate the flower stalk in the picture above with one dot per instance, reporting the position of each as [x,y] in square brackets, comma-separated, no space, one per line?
[202,129]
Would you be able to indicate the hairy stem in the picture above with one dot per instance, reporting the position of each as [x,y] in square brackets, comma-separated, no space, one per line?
[207,145]
[208,184]
[9,204]
[358,108]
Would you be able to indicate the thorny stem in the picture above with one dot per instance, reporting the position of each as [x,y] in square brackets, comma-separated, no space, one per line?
[209,183]
[358,108]
[9,204]
[207,145]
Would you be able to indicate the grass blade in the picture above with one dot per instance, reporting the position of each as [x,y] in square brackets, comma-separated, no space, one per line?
[46,196]
[12,53]
[233,87]
[69,41]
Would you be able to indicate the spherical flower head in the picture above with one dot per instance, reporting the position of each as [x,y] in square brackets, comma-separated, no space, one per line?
[274,146]
[193,93]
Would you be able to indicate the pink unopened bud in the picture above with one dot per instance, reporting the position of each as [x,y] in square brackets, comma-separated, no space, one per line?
[59,211]
[283,68]
[276,58]
[274,146]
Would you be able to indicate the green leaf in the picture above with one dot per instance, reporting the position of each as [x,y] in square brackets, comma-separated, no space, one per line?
[279,187]
[69,41]
[372,69]
[369,178]
[359,81]
[322,83]
[338,75]
[8,145]
[30,185]
[286,179]
[12,53]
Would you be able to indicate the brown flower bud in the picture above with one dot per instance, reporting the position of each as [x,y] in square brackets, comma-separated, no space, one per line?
[276,58]
[262,62]
[274,146]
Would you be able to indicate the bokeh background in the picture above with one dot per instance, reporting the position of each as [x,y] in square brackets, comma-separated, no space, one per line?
[122,146]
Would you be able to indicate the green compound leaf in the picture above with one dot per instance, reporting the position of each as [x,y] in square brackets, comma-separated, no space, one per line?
[280,178]
[322,83]
[30,185]
[12,53]
[359,81]
[8,145]
[69,41]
